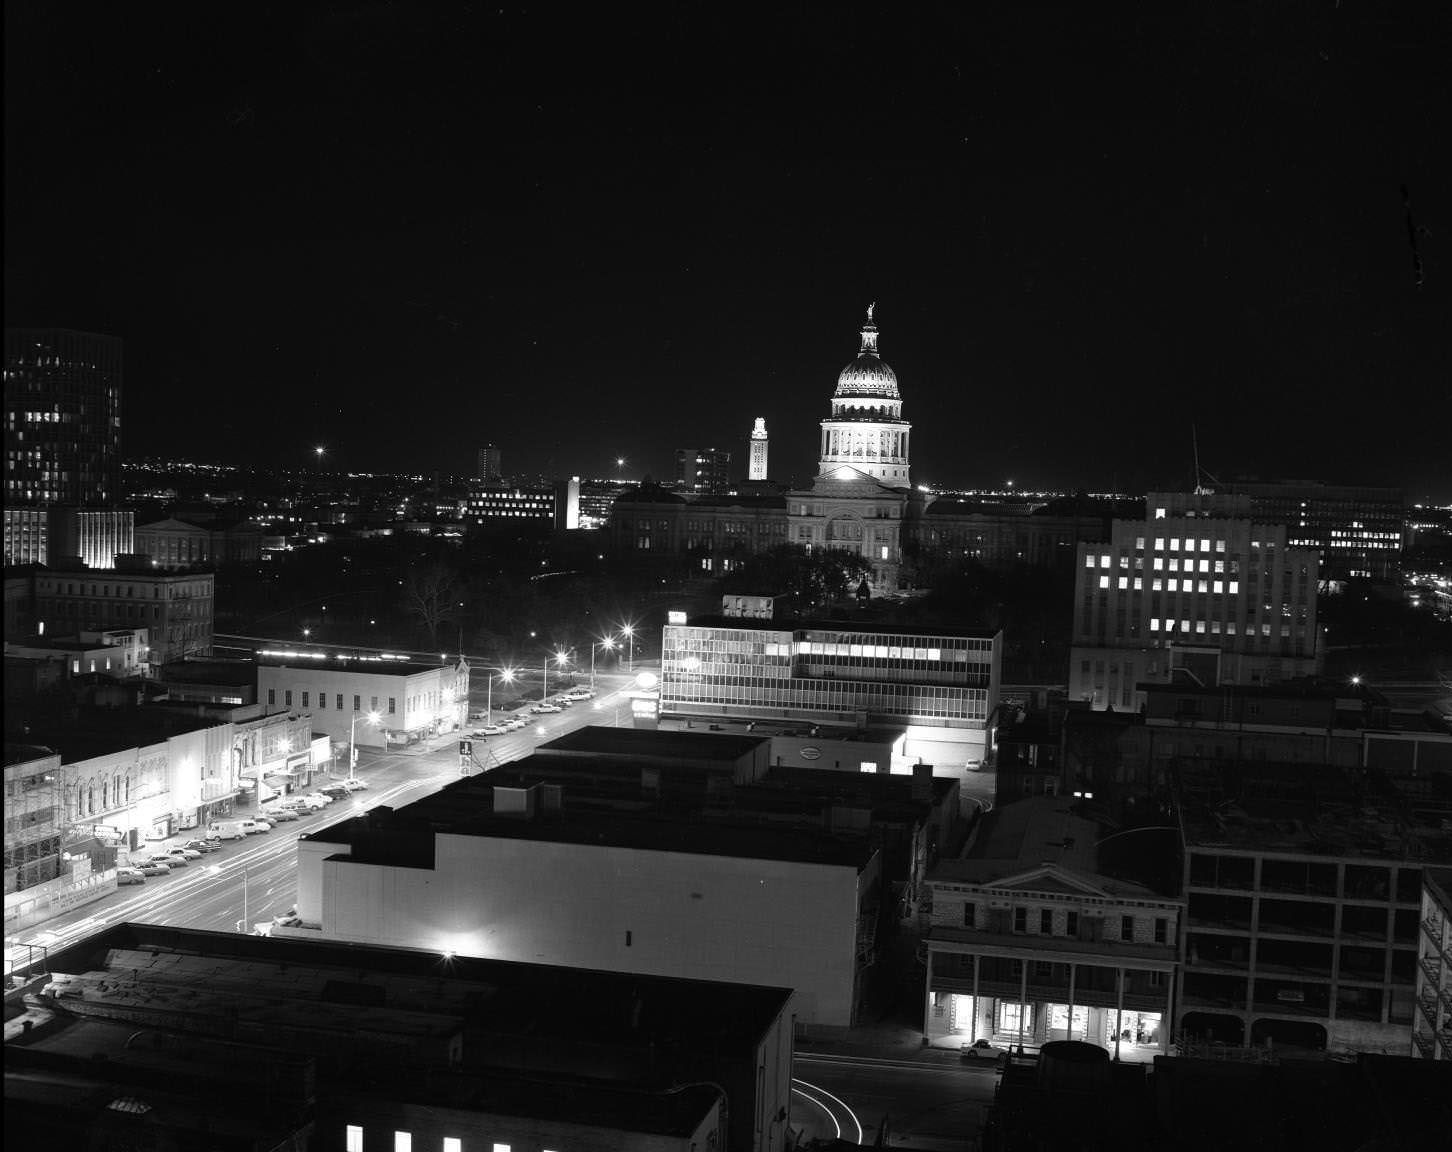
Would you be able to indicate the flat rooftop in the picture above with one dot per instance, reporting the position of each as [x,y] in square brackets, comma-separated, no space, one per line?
[855,627]
[496,997]
[405,837]
[98,731]
[1314,809]
[532,1040]
[653,745]
[351,664]
[873,734]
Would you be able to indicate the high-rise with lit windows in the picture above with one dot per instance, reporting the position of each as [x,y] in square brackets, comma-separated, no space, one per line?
[62,444]
[1360,531]
[1217,601]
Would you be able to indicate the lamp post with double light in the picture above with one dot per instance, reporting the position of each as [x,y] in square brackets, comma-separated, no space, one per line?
[372,718]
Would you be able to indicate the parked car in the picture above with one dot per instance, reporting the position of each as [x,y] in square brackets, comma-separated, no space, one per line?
[187,854]
[303,805]
[336,791]
[582,694]
[540,709]
[254,826]
[166,860]
[131,876]
[489,730]
[287,920]
[983,1050]
[318,798]
[354,784]
[516,723]
[204,845]
[152,868]
[278,815]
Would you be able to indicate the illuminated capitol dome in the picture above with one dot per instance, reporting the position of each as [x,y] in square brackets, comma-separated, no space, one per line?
[867,377]
[866,436]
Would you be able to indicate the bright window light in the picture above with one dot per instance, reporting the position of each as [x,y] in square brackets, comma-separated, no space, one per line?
[353,1139]
[453,1144]
[403,1142]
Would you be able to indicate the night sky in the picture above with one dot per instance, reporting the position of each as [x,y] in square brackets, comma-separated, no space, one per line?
[402,230]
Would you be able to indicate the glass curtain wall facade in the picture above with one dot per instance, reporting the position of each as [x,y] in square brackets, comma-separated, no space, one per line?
[944,680]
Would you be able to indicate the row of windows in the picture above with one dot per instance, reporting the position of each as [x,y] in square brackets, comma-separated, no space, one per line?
[323,701]
[1045,923]
[403,1142]
[900,700]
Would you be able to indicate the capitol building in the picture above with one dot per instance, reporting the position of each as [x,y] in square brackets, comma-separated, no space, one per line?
[861,500]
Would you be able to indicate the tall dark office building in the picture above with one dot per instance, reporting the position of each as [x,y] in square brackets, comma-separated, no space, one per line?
[491,464]
[63,445]
[1360,531]
[703,469]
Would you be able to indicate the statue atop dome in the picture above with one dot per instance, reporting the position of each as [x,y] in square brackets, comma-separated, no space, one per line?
[870,307]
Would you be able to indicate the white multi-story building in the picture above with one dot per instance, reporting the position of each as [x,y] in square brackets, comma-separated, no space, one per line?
[1027,942]
[1226,600]
[522,874]
[410,700]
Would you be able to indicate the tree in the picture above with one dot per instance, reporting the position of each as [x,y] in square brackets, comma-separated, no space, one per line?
[431,595]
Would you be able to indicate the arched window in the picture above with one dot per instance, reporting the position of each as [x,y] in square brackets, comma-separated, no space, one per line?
[128,787]
[105,795]
[90,798]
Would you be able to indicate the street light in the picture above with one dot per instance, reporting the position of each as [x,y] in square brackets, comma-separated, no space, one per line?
[561,658]
[506,676]
[629,632]
[608,643]
[372,718]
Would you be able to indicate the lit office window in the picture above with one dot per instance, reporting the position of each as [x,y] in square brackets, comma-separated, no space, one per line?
[1124,582]
[1104,581]
[353,1138]
[403,1142]
[453,1144]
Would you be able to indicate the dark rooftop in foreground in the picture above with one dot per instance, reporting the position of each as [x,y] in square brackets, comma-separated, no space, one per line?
[405,837]
[652,745]
[170,1014]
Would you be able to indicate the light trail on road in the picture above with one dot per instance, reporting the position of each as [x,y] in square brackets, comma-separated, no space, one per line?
[805,1095]
[851,1115]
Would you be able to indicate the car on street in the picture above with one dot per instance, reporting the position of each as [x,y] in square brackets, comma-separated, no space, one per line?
[254,826]
[287,920]
[167,859]
[541,709]
[187,854]
[515,723]
[488,730]
[152,868]
[302,805]
[982,1050]
[131,876]
[204,845]
[278,815]
[582,694]
[318,798]
[336,791]
[354,784]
